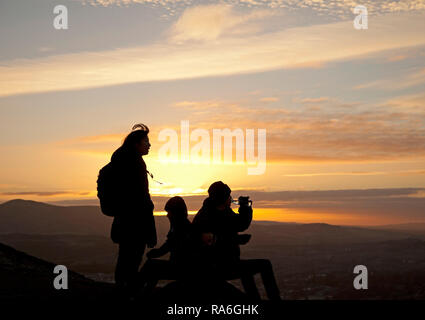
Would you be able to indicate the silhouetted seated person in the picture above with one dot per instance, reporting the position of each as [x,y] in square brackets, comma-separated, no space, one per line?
[217,227]
[178,244]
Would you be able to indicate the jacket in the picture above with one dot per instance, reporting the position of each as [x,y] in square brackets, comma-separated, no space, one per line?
[224,225]
[134,221]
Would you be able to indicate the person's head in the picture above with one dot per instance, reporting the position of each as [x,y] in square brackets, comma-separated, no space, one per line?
[219,195]
[176,210]
[138,140]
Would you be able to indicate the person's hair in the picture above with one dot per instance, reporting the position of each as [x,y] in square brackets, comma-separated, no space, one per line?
[219,192]
[140,131]
[176,207]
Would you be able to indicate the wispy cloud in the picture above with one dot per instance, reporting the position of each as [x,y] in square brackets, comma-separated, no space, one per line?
[357,173]
[291,48]
[413,104]
[98,145]
[411,79]
[47,193]
[269,99]
[393,130]
[208,23]
[341,8]
[378,205]
[388,131]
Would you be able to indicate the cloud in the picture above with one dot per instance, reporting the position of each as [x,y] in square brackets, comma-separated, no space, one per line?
[45,49]
[322,129]
[383,205]
[337,131]
[291,48]
[399,203]
[390,131]
[209,22]
[415,78]
[357,173]
[335,195]
[107,3]
[97,145]
[413,104]
[269,99]
[101,138]
[396,58]
[340,8]
[315,100]
[46,193]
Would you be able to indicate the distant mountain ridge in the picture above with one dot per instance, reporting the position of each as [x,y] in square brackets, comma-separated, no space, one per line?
[32,217]
[25,216]
[24,203]
[402,226]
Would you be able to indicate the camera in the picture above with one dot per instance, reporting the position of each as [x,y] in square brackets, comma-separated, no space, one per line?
[243,201]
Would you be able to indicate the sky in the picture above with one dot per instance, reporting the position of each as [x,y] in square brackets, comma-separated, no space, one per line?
[344,109]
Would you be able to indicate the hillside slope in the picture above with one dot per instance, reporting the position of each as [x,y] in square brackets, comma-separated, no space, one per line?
[24,277]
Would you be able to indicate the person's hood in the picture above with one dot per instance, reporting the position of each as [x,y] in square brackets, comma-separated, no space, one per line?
[181,224]
[209,206]
[122,154]
[207,203]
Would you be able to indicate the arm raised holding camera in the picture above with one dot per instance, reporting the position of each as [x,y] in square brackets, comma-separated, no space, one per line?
[243,220]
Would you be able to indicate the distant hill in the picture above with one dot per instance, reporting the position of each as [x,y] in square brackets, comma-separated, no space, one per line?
[23,216]
[34,218]
[418,228]
[292,234]
[31,217]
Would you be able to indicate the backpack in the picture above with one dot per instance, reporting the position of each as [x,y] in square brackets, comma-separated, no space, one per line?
[107,190]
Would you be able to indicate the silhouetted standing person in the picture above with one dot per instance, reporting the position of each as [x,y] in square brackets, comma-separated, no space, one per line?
[130,203]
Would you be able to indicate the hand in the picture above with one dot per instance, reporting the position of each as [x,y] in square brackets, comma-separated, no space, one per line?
[243,238]
[244,201]
[154,253]
[208,238]
[152,239]
[151,242]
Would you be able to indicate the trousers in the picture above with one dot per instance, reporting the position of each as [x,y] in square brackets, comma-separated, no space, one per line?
[129,259]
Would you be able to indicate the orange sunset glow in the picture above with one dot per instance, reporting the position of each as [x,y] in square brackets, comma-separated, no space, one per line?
[343,110]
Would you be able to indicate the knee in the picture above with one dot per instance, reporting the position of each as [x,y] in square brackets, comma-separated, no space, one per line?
[266,263]
[151,264]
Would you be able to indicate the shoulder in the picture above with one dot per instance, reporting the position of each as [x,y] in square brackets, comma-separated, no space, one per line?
[170,234]
[230,213]
[141,162]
